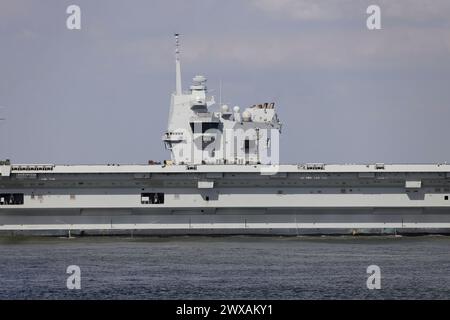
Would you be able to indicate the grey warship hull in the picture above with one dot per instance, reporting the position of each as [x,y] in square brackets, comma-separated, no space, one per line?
[225,199]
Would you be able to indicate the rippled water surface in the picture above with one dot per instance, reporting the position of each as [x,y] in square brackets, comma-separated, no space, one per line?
[225,267]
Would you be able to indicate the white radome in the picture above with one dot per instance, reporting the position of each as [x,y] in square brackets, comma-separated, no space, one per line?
[246,116]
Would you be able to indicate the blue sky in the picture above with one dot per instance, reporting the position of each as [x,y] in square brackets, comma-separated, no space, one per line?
[344,94]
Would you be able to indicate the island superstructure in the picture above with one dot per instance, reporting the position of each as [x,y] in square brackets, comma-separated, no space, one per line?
[223,177]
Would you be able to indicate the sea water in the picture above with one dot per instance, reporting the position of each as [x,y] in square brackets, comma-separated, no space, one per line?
[231,267]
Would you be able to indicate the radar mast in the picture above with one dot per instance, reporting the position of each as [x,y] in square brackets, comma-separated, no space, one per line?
[178,90]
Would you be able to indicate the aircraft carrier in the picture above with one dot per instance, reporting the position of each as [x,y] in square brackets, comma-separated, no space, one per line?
[224,177]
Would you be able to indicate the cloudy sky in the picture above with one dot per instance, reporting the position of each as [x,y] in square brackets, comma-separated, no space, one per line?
[345,94]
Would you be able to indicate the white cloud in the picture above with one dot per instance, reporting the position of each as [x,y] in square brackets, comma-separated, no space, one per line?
[414,10]
[305,9]
[402,47]
[350,49]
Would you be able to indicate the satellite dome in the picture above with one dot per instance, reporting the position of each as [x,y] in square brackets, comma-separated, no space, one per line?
[236,109]
[246,116]
[199,79]
[225,108]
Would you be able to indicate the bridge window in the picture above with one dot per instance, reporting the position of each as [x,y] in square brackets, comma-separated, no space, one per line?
[247,145]
[202,127]
[445,197]
[152,198]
